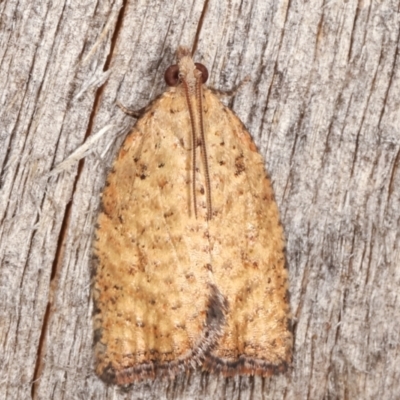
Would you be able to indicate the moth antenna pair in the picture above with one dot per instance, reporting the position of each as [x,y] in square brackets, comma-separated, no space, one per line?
[199,98]
[173,78]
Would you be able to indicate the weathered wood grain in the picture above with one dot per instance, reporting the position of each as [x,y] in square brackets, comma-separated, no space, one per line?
[323,106]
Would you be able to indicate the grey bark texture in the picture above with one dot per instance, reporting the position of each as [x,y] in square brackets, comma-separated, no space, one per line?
[323,106]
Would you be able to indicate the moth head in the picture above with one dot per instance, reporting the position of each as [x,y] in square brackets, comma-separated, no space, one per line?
[185,70]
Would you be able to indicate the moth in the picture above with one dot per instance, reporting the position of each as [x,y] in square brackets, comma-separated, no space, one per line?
[189,250]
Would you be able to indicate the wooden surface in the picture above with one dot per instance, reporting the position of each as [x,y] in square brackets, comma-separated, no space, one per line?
[323,105]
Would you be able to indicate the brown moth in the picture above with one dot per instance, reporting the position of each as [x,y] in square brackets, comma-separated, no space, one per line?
[190,265]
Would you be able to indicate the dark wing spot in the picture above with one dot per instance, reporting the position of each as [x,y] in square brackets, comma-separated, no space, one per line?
[239,165]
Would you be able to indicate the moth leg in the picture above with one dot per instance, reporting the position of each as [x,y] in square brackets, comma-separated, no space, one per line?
[133,113]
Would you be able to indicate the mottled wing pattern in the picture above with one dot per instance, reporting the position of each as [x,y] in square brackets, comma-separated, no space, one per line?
[247,251]
[156,308]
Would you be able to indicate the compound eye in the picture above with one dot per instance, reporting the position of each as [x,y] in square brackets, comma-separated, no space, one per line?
[203,70]
[171,75]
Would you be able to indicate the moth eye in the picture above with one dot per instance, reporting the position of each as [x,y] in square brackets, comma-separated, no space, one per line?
[171,75]
[203,70]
